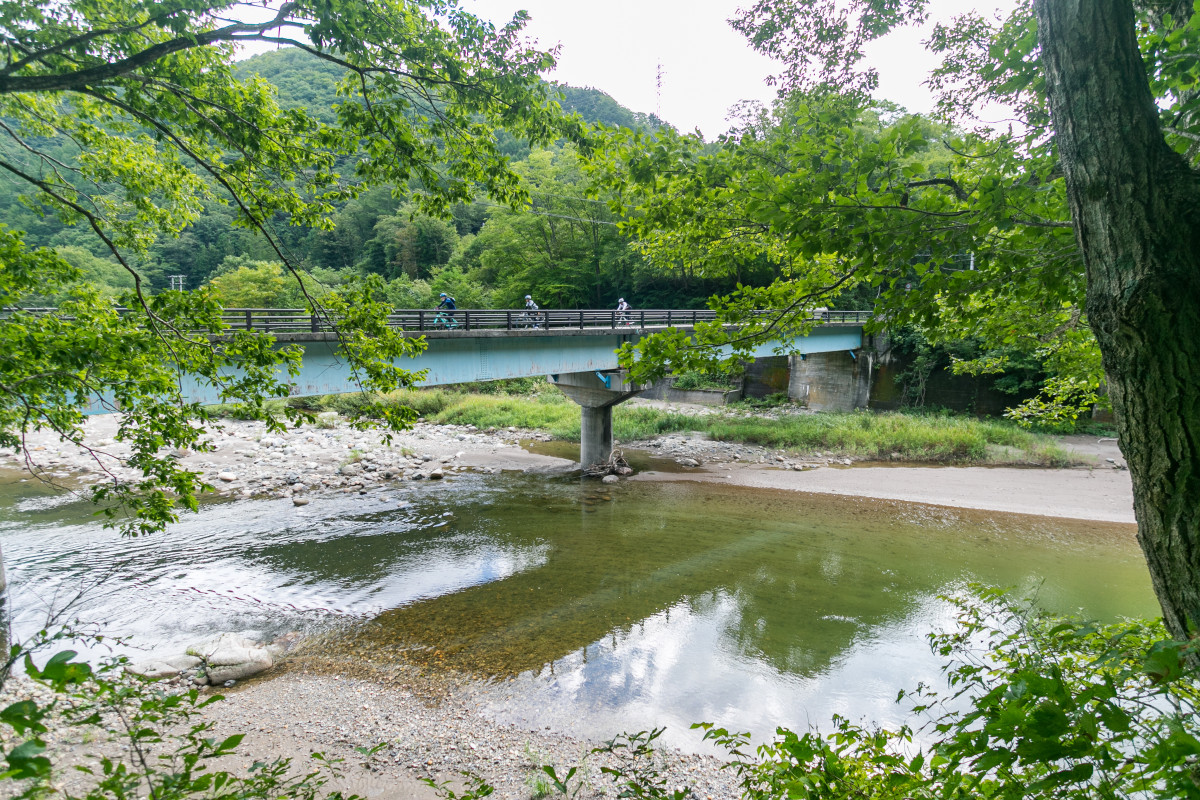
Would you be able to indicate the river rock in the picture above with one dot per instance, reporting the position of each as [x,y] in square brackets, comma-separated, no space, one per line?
[284,643]
[163,667]
[300,501]
[231,657]
[228,477]
[609,479]
[437,474]
[350,469]
[688,462]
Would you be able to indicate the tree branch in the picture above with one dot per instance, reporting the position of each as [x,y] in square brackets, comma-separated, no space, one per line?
[115,69]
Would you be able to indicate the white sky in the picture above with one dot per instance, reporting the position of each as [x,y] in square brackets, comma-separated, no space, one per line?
[708,67]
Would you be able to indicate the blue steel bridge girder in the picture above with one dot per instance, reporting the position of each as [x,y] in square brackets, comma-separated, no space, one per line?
[575,357]
[470,356]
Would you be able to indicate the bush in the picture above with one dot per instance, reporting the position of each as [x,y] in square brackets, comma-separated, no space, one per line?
[697,379]
[166,754]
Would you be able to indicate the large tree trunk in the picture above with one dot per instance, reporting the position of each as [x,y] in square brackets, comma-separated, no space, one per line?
[1136,205]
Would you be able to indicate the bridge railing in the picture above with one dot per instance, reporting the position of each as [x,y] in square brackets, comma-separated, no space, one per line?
[472,319]
[293,320]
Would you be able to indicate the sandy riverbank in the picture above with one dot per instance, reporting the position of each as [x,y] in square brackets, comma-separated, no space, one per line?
[1100,494]
[429,722]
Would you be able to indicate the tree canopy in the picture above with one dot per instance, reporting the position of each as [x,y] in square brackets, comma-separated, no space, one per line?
[1070,231]
[128,118]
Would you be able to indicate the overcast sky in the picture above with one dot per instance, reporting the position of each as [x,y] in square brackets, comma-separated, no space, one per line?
[707,67]
[616,46]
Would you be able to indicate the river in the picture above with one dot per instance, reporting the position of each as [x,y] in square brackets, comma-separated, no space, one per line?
[584,606]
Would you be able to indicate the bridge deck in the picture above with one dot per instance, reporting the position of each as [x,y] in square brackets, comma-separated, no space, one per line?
[482,344]
[504,321]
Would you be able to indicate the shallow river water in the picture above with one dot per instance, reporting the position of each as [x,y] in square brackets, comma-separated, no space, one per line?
[588,607]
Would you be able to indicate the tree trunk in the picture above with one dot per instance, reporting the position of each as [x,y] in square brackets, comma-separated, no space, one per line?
[1135,204]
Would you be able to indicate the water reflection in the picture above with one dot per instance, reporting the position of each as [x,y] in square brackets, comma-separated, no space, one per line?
[638,604]
[805,576]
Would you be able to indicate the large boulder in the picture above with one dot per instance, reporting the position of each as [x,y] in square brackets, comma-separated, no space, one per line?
[230,657]
[163,667]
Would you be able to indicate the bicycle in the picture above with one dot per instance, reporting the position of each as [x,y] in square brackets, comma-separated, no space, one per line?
[528,320]
[444,320]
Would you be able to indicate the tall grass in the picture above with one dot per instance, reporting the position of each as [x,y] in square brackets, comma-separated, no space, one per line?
[880,435]
[935,438]
[544,412]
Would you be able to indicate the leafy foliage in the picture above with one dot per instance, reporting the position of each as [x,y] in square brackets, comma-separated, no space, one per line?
[166,751]
[959,234]
[127,118]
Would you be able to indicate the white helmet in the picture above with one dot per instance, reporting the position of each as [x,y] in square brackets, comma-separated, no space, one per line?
[621,300]
[528,297]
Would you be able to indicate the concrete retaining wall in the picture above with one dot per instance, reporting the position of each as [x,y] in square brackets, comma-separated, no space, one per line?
[835,381]
[943,389]
[767,375]
[662,390]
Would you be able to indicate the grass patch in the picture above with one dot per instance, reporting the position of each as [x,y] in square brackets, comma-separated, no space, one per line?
[930,438]
[641,422]
[940,439]
[239,411]
[554,414]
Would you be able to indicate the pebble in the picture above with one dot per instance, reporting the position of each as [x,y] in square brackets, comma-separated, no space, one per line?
[431,727]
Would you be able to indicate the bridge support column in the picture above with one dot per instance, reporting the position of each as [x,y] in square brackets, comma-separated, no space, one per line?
[596,393]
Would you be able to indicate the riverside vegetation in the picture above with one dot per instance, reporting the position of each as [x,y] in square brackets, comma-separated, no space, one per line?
[897,436]
[1060,712]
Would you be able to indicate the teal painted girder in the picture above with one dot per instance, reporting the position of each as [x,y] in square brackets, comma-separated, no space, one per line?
[464,359]
[460,357]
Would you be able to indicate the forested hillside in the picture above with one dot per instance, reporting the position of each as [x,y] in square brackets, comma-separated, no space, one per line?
[565,248]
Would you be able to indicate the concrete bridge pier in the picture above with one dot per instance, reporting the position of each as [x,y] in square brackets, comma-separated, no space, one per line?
[596,393]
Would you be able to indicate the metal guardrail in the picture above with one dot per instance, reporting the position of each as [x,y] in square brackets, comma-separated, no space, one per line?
[295,320]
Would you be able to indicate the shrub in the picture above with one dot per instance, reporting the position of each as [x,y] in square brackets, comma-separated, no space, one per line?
[166,753]
[698,379]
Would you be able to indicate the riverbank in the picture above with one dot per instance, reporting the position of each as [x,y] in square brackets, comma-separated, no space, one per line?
[248,461]
[1101,491]
[430,722]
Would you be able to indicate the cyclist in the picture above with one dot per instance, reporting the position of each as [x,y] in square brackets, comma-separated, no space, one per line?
[622,307]
[531,309]
[447,306]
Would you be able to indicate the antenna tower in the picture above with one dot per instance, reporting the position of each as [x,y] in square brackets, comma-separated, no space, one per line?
[658,81]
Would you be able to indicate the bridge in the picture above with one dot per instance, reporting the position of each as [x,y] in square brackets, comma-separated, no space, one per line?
[576,349]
